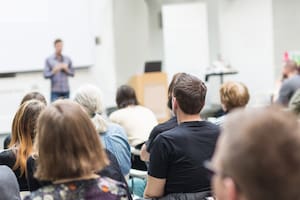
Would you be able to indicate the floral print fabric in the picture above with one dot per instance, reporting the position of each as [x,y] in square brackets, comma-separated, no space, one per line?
[100,188]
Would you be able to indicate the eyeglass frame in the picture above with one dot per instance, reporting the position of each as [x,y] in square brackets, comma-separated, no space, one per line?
[209,167]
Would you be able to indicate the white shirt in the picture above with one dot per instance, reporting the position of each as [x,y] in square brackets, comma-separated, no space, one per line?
[138,121]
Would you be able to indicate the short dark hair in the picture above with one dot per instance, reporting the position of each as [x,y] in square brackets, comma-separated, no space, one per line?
[170,89]
[259,149]
[73,148]
[126,96]
[57,41]
[190,93]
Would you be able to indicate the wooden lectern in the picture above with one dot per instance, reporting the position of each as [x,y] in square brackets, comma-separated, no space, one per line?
[151,90]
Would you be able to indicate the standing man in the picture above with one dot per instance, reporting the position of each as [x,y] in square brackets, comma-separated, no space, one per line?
[176,159]
[58,67]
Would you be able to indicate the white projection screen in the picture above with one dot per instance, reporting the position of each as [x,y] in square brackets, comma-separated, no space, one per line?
[185,33]
[28,29]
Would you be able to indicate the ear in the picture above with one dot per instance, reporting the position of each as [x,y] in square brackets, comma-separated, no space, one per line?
[230,188]
[174,103]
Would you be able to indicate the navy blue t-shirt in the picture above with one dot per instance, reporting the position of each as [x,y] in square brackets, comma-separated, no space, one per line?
[178,155]
[160,128]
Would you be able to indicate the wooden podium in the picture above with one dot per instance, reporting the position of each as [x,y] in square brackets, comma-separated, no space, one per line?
[151,90]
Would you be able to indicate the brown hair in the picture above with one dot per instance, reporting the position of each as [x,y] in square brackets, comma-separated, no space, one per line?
[57,41]
[126,96]
[24,130]
[234,95]
[68,144]
[190,93]
[260,151]
[34,95]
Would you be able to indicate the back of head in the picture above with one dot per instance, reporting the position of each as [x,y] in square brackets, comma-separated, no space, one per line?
[190,93]
[90,98]
[170,89]
[126,96]
[34,95]
[68,144]
[290,66]
[259,149]
[24,131]
[234,95]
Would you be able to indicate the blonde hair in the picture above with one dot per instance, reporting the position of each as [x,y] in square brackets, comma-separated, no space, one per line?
[68,144]
[234,95]
[24,131]
[90,98]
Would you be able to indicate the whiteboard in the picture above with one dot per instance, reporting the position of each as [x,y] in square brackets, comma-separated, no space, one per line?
[28,29]
[185,34]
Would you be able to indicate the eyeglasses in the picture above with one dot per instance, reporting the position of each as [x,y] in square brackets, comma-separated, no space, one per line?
[213,172]
[211,169]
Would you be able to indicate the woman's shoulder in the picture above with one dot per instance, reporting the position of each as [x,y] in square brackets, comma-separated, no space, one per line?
[106,184]
[92,188]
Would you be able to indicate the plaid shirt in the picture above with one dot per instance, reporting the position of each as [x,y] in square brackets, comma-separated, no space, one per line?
[59,81]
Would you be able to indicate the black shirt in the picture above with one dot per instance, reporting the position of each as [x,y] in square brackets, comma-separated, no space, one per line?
[8,158]
[160,128]
[178,156]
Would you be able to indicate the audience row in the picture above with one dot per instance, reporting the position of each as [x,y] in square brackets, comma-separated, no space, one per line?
[71,150]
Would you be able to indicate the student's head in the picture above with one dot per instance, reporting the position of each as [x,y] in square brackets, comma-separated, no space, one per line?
[189,94]
[170,89]
[24,131]
[58,45]
[290,67]
[90,98]
[126,96]
[233,95]
[68,144]
[34,95]
[257,156]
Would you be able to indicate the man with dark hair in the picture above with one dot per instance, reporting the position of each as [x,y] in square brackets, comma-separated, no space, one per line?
[160,128]
[58,67]
[177,156]
[257,156]
[290,82]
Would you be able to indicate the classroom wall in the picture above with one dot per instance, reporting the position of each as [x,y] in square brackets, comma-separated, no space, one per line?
[131,38]
[246,35]
[286,30]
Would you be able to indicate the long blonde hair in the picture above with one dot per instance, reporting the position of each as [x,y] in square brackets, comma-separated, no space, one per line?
[23,132]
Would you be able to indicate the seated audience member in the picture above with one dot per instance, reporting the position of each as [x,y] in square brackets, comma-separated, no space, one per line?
[112,171]
[75,155]
[9,187]
[28,96]
[176,160]
[257,156]
[290,83]
[233,95]
[137,120]
[23,133]
[160,128]
[112,135]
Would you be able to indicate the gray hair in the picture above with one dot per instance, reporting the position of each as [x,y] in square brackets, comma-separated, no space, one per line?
[90,98]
